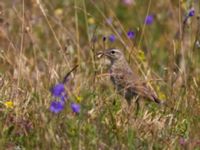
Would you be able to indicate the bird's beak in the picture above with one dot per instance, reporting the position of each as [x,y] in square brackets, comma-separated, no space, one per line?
[103,53]
[100,54]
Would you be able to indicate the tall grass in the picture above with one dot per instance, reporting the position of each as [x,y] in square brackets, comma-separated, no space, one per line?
[40,41]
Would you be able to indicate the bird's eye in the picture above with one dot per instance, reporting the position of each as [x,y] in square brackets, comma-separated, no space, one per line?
[112,52]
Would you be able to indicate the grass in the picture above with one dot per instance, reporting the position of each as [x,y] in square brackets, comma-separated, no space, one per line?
[42,40]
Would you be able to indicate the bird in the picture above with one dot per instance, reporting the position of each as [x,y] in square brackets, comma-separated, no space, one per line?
[125,80]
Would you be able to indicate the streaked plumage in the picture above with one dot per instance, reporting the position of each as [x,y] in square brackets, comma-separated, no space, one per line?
[127,83]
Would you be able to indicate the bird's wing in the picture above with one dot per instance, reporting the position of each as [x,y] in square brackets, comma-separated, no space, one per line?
[143,90]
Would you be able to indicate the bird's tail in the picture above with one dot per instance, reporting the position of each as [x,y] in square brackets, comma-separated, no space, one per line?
[165,104]
[156,99]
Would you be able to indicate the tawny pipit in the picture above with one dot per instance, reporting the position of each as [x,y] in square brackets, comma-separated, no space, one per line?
[127,83]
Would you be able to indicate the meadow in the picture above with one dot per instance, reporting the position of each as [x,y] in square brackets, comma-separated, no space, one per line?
[55,93]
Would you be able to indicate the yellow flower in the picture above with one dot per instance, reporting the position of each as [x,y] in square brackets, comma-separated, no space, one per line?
[78,99]
[58,12]
[9,104]
[184,4]
[141,55]
[161,95]
[91,20]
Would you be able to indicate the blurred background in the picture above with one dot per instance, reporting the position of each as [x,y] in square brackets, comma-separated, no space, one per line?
[42,40]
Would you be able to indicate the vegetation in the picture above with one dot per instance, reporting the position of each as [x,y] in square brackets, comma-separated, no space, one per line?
[42,40]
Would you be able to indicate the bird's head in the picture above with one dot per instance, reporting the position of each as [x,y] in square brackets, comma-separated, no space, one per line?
[113,54]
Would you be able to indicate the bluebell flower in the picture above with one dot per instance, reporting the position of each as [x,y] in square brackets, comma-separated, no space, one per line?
[112,38]
[60,94]
[191,12]
[149,19]
[58,90]
[56,106]
[75,107]
[131,34]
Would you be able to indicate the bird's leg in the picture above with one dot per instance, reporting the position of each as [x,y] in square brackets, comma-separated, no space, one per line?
[129,110]
[137,105]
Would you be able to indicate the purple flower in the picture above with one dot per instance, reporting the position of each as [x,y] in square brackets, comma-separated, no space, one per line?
[109,21]
[182,141]
[58,90]
[131,34]
[128,2]
[149,19]
[112,38]
[75,107]
[191,12]
[56,106]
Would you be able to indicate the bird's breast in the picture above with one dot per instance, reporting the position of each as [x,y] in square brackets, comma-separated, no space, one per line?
[117,78]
